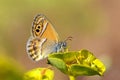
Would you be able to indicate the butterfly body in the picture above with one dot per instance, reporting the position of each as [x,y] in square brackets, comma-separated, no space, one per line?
[44,39]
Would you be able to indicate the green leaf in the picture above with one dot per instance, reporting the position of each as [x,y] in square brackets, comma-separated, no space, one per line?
[39,74]
[77,70]
[59,64]
[77,63]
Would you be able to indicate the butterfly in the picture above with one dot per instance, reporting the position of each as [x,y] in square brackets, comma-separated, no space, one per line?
[43,40]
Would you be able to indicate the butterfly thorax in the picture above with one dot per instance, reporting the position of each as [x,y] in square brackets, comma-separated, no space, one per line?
[61,46]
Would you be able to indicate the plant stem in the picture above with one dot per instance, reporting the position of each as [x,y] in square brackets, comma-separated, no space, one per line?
[71,77]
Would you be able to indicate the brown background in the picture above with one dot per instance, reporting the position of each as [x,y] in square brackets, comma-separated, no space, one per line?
[93,24]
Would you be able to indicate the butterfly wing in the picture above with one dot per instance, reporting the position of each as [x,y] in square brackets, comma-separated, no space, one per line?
[43,40]
[34,48]
[43,28]
[39,48]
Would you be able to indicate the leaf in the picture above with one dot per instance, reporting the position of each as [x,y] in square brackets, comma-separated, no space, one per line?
[59,64]
[77,63]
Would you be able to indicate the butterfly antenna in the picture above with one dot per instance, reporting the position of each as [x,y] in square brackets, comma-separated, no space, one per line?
[68,38]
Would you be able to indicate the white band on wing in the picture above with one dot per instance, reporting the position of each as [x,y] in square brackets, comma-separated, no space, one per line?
[44,28]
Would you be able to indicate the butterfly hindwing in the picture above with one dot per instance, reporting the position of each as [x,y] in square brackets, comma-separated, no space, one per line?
[34,48]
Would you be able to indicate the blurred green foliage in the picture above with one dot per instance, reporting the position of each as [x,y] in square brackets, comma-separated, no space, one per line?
[39,74]
[10,69]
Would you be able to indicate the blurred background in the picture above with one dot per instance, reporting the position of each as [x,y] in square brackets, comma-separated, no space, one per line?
[93,24]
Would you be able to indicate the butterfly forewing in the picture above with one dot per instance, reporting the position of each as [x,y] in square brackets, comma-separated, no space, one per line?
[43,28]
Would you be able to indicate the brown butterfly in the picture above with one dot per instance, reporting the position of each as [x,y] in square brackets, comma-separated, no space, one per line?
[44,39]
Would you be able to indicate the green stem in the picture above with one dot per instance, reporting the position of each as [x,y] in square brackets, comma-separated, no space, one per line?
[71,77]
